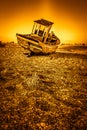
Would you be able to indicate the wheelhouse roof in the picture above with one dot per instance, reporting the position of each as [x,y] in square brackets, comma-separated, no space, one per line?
[44,22]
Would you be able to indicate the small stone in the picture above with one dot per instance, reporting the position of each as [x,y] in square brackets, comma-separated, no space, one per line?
[42,124]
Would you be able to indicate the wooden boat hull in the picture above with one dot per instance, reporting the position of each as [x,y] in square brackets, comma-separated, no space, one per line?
[35,45]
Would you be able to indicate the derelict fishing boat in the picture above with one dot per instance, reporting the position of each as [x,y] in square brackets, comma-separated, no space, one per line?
[40,40]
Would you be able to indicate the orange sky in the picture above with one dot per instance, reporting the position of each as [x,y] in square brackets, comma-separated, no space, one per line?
[69,17]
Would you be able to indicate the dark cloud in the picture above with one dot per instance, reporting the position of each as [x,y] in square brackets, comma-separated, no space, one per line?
[77,7]
[9,8]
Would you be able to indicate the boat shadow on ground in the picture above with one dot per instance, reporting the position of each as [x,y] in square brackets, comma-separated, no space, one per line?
[57,55]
